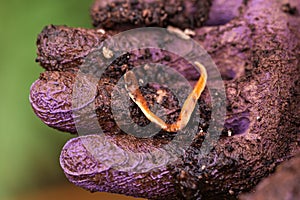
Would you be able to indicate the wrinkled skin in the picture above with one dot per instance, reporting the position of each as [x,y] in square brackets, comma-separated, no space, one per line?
[257,54]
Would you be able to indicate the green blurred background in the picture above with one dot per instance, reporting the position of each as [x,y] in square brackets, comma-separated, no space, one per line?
[29,150]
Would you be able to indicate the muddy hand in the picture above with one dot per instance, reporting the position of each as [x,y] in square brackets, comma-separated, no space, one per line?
[256,54]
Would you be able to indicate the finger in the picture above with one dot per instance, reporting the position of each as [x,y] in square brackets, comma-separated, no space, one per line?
[67,101]
[61,48]
[50,97]
[52,100]
[119,14]
[56,99]
[98,171]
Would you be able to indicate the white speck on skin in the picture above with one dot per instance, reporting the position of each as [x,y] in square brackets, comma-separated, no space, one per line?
[178,32]
[141,81]
[102,31]
[229,133]
[107,53]
[189,32]
[258,118]
[161,95]
[146,67]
